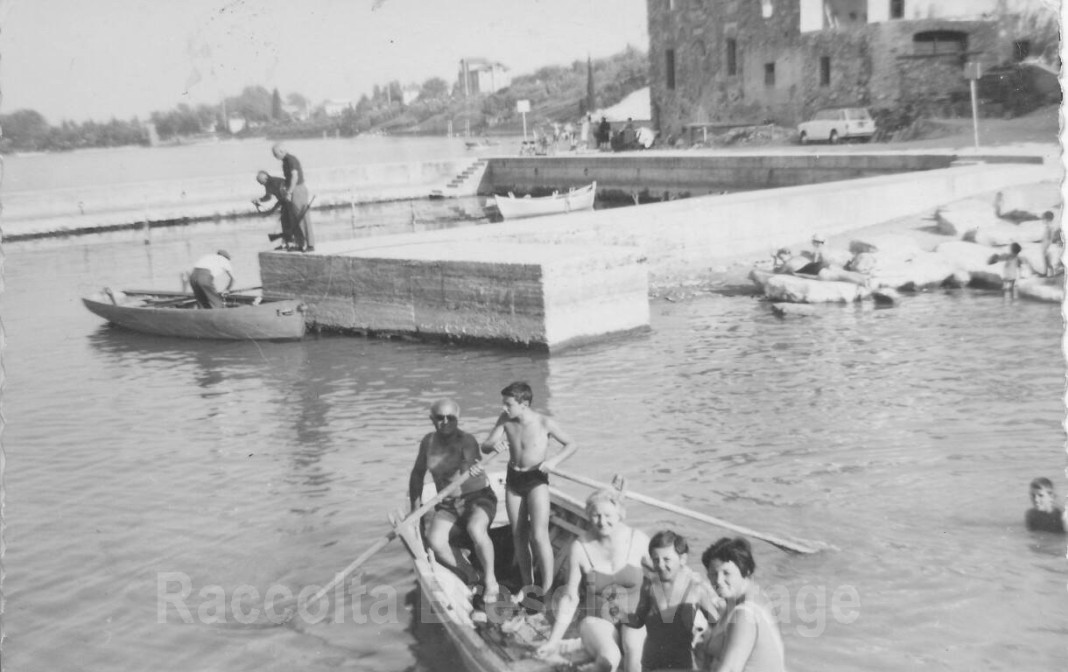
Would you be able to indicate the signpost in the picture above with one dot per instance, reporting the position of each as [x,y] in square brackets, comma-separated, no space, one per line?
[973,70]
[523,106]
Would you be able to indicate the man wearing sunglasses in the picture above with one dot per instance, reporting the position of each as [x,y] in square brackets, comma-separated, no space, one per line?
[446,453]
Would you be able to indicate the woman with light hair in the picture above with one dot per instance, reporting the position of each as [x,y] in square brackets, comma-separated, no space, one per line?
[608,560]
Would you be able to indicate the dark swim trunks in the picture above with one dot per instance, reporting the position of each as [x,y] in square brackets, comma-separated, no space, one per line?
[522,482]
[466,504]
[812,268]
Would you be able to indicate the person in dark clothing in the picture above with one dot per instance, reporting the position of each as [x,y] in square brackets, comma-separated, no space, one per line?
[629,139]
[604,133]
[296,199]
[274,187]
[1045,515]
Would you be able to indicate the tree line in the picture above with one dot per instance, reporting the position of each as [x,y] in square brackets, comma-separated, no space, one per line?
[556,93]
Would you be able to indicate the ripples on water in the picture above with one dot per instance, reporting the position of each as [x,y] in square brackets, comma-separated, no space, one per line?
[905,438]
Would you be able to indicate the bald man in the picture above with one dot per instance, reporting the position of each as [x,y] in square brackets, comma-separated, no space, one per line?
[295,199]
[447,452]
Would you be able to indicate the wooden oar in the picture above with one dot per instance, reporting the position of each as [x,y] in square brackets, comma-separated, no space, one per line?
[411,519]
[786,545]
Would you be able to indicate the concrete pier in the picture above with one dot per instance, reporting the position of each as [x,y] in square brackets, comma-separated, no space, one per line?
[426,285]
[554,281]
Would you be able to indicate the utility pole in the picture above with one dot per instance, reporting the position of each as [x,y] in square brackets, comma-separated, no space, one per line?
[973,70]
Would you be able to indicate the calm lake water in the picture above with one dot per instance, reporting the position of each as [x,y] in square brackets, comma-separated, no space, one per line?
[229,157]
[905,438]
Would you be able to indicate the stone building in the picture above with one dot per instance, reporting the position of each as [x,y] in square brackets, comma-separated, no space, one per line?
[751,61]
[480,76]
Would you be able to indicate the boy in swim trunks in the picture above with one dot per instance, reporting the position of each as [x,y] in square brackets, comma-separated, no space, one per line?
[447,452]
[526,494]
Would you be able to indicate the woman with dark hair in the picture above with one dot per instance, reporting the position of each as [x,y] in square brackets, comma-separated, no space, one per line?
[608,559]
[751,638]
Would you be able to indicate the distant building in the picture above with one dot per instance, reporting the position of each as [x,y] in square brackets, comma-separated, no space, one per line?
[334,108]
[780,60]
[296,112]
[409,94]
[480,76]
[235,124]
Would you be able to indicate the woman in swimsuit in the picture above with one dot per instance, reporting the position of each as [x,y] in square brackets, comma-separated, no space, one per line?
[608,559]
[750,634]
[676,605]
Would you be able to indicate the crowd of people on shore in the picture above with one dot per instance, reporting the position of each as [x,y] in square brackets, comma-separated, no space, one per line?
[588,136]
[639,603]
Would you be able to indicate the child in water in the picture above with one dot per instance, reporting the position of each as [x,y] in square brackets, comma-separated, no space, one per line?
[1012,270]
[1045,515]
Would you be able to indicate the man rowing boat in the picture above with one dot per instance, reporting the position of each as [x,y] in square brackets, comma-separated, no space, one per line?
[448,452]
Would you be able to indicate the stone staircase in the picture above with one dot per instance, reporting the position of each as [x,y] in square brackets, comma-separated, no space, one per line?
[465,183]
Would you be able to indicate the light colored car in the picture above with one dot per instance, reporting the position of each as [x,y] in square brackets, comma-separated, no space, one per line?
[839,123]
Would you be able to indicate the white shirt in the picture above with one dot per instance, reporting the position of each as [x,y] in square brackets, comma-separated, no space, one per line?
[222,272]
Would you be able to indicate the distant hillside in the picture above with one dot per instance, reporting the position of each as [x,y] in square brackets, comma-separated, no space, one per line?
[556,93]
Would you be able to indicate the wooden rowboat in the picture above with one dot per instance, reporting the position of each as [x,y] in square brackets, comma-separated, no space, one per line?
[495,640]
[575,200]
[177,314]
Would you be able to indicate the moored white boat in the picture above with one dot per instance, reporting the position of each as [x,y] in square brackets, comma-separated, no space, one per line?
[574,200]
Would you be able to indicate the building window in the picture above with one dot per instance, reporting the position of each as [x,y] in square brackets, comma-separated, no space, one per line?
[1021,49]
[825,70]
[732,56]
[669,62]
[897,9]
[937,42]
[769,74]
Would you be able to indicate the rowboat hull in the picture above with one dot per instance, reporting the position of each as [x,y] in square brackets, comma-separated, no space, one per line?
[576,200]
[269,320]
[445,596]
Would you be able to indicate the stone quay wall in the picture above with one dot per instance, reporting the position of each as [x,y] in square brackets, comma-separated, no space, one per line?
[671,175]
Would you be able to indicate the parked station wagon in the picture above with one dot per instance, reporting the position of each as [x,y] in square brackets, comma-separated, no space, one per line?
[834,124]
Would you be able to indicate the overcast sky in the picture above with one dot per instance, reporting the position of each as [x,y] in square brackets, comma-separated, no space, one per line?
[97,59]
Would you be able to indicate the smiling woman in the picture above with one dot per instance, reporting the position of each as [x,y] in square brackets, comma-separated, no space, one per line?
[748,637]
[609,560]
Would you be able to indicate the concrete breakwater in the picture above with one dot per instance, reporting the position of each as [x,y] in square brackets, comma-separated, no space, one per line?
[33,214]
[670,176]
[463,283]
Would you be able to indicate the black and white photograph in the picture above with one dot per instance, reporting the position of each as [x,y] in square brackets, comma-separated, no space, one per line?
[532,336]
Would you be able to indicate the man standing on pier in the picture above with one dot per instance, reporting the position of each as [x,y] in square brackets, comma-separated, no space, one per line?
[296,198]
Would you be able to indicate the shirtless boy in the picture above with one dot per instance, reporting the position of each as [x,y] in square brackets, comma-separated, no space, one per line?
[526,494]
[447,452]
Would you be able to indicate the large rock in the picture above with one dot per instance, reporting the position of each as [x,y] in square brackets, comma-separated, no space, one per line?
[1028,201]
[886,247]
[957,219]
[1042,289]
[924,270]
[1004,233]
[974,259]
[790,288]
